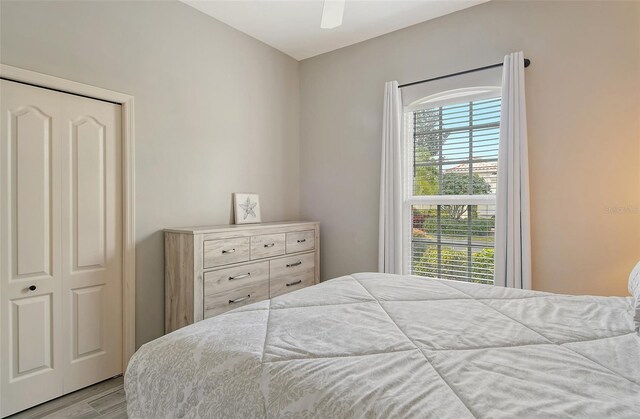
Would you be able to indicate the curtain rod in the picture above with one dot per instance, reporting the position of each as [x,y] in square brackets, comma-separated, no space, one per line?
[527,62]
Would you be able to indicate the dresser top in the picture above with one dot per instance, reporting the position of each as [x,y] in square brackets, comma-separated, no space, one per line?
[232,227]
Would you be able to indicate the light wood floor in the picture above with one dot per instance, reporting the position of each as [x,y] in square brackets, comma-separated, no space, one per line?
[100,401]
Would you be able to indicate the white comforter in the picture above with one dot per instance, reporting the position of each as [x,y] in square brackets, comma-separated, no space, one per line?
[385,346]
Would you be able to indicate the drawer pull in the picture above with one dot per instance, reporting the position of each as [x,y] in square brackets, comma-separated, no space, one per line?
[231,278]
[239,300]
[229,251]
[269,245]
[301,240]
[294,283]
[290,265]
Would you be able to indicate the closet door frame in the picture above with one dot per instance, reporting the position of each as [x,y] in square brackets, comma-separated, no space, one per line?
[128,185]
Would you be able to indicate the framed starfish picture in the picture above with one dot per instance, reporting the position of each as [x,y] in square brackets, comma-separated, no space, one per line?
[246,208]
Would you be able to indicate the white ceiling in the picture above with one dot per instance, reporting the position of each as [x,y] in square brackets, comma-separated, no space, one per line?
[293,27]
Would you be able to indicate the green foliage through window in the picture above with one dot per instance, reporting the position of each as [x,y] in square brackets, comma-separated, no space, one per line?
[454,264]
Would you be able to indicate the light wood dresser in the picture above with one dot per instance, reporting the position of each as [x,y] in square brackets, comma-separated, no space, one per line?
[210,270]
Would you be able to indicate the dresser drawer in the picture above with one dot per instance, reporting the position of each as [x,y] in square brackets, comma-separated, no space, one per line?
[213,269]
[291,273]
[215,304]
[225,251]
[267,245]
[227,279]
[300,241]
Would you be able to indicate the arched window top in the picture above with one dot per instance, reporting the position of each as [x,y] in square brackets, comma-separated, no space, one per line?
[450,97]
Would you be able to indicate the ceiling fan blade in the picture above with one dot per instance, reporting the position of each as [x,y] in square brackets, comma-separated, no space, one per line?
[332,13]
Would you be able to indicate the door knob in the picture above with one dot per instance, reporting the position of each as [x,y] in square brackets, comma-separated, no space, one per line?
[32,288]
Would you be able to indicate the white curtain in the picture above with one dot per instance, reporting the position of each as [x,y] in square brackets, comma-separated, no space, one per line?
[513,233]
[390,232]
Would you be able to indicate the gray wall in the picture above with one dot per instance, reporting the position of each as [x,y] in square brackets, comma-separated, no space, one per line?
[216,112]
[583,99]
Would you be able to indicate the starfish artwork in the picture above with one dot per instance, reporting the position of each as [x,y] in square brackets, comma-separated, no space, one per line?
[248,207]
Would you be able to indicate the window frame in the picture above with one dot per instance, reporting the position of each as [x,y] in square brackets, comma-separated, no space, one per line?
[446,98]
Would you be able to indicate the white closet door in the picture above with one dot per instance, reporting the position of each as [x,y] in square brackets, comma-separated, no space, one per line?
[60,244]
[30,185]
[91,251]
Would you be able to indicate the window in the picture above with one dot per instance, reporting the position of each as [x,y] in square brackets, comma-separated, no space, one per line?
[451,149]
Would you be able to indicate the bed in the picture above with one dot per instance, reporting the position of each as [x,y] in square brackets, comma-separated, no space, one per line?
[387,346]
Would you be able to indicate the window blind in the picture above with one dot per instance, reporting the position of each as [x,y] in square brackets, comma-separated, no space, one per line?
[452,161]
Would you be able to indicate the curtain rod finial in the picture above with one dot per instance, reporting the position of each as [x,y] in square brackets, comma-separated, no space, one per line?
[527,62]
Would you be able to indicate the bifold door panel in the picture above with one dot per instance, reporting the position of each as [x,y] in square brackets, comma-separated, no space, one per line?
[60,247]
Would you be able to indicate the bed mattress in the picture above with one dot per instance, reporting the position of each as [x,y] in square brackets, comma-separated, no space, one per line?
[387,346]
